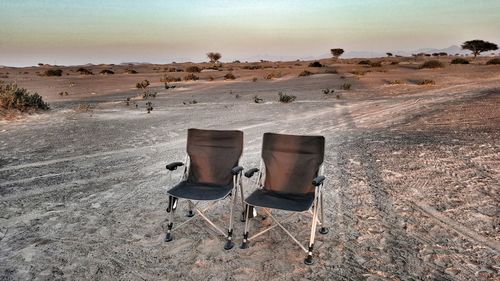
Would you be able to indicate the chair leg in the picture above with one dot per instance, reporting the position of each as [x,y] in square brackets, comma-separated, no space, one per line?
[323,230]
[309,259]
[244,244]
[171,209]
[190,213]
[229,243]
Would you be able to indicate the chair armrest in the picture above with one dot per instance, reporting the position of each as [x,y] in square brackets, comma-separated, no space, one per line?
[317,181]
[250,172]
[173,166]
[236,170]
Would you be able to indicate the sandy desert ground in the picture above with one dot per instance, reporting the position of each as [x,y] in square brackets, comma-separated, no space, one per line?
[412,193]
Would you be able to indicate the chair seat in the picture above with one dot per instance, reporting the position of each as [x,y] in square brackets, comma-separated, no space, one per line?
[282,201]
[199,191]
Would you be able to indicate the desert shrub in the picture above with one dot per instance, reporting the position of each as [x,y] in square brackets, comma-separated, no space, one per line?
[284,98]
[345,86]
[365,62]
[257,99]
[131,71]
[193,69]
[358,72]
[211,78]
[168,79]
[426,82]
[14,98]
[190,102]
[142,84]
[315,64]
[395,63]
[254,79]
[149,106]
[63,93]
[229,76]
[332,71]
[493,61]
[272,75]
[305,73]
[252,67]
[107,71]
[376,64]
[459,61]
[432,64]
[328,91]
[191,76]
[84,107]
[84,71]
[395,82]
[53,72]
[148,94]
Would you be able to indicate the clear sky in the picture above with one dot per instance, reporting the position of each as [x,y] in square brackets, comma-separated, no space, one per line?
[114,31]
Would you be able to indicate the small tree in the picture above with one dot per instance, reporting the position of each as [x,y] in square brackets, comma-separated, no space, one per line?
[389,54]
[479,46]
[336,53]
[214,57]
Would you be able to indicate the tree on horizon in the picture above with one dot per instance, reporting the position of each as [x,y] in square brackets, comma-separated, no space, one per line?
[479,46]
[214,56]
[337,52]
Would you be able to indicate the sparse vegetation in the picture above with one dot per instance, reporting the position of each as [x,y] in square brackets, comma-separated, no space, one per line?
[395,82]
[376,64]
[63,93]
[254,79]
[14,98]
[229,76]
[284,98]
[84,107]
[305,73]
[315,64]
[337,52]
[328,91]
[432,64]
[214,56]
[365,62]
[168,79]
[389,54]
[191,76]
[131,71]
[107,72]
[53,72]
[346,86]
[257,99]
[426,82]
[84,71]
[149,106]
[193,69]
[493,61]
[459,61]
[479,46]
[358,72]
[273,75]
[252,67]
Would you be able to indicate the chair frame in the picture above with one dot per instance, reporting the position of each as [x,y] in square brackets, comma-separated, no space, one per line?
[315,210]
[172,206]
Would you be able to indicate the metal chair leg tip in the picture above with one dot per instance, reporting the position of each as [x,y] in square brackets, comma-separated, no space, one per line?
[309,260]
[190,214]
[244,245]
[168,237]
[229,245]
[323,230]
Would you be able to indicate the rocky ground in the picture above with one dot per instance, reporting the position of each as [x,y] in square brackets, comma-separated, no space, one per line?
[412,172]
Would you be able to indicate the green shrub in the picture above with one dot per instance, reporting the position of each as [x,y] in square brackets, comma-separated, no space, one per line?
[191,76]
[459,61]
[193,69]
[432,64]
[284,98]
[14,98]
[229,76]
[305,73]
[493,61]
[53,72]
[315,64]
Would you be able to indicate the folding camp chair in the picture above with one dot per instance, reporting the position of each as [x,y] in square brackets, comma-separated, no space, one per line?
[290,182]
[211,173]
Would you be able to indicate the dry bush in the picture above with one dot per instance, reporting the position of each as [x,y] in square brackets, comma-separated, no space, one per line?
[272,75]
[359,72]
[432,64]
[84,107]
[426,82]
[284,98]
[493,61]
[346,86]
[459,61]
[191,76]
[257,99]
[14,98]
[365,62]
[254,79]
[142,84]
[376,64]
[229,76]
[193,69]
[53,72]
[131,71]
[252,67]
[305,73]
[315,64]
[395,82]
[84,71]
[107,71]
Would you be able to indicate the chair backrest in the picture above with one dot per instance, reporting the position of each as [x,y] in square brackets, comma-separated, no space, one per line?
[292,162]
[212,155]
